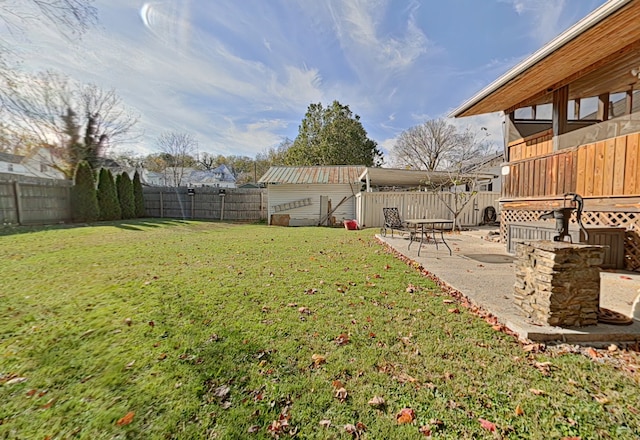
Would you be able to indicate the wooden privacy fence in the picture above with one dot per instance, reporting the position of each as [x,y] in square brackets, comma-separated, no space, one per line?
[605,168]
[420,205]
[33,200]
[237,204]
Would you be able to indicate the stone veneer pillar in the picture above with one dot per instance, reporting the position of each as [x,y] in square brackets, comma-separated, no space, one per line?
[558,283]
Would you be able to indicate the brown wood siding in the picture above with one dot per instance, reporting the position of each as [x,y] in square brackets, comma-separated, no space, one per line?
[535,145]
[602,169]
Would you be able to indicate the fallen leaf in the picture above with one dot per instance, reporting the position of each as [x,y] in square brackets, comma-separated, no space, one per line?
[129,365]
[537,392]
[253,429]
[15,380]
[318,359]
[343,339]
[447,301]
[533,348]
[519,411]
[454,310]
[304,310]
[570,438]
[602,399]
[325,423]
[406,415]
[350,428]
[337,384]
[425,430]
[128,321]
[593,353]
[31,392]
[489,426]
[543,367]
[127,419]
[152,324]
[448,376]
[49,404]
[377,402]
[222,391]
[624,277]
[162,356]
[634,410]
[341,394]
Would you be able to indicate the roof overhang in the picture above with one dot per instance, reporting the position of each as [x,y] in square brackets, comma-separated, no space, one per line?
[415,178]
[582,56]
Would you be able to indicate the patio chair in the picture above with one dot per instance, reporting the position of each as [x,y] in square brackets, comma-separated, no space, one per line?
[393,222]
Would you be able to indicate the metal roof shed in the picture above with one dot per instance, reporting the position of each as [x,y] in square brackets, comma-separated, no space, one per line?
[300,196]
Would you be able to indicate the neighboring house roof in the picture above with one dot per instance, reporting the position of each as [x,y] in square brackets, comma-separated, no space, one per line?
[339,174]
[609,33]
[11,158]
[227,175]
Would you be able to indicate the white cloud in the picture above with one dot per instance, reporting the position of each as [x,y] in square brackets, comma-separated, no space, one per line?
[546,17]
[357,24]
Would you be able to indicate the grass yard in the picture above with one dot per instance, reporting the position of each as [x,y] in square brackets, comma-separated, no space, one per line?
[164,329]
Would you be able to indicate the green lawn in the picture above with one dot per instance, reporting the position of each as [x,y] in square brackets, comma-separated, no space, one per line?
[168,329]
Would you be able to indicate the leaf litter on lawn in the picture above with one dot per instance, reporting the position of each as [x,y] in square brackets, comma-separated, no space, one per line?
[216,280]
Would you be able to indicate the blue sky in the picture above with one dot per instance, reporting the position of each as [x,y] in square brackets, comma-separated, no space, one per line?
[239,74]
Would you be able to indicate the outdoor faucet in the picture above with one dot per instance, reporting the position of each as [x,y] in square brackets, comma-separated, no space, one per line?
[563,215]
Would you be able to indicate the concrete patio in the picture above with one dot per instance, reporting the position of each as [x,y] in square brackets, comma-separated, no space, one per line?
[482,271]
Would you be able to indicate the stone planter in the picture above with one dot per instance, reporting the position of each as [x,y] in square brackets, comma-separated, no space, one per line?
[558,283]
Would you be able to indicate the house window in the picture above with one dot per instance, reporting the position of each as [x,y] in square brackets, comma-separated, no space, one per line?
[43,168]
[10,167]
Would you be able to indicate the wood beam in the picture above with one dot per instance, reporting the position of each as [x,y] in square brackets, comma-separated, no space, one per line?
[576,108]
[534,112]
[576,75]
[629,102]
[559,118]
[603,107]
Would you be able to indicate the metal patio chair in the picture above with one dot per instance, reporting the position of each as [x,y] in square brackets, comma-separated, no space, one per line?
[393,222]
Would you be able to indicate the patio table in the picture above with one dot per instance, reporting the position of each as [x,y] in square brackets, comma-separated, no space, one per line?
[432,224]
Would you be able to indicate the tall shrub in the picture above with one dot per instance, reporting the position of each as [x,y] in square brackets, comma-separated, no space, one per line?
[138,195]
[125,195]
[84,201]
[108,196]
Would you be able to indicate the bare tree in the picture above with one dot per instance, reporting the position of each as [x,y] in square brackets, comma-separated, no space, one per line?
[178,149]
[70,17]
[73,121]
[434,145]
[460,185]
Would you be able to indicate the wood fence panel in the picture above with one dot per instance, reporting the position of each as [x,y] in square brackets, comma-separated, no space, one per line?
[560,178]
[569,172]
[238,204]
[589,176]
[631,166]
[580,170]
[8,209]
[598,169]
[33,200]
[619,165]
[609,167]
[420,205]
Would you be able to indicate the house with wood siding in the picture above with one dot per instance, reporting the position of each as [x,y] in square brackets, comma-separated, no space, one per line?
[571,125]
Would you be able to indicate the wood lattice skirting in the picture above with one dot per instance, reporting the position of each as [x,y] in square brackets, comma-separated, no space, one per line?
[629,220]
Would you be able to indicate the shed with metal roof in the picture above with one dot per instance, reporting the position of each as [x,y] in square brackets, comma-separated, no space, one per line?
[312,195]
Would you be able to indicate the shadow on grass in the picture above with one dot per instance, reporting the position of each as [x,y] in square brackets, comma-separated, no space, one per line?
[132,225]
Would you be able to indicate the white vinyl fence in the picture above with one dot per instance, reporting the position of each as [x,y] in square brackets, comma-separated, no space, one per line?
[420,205]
